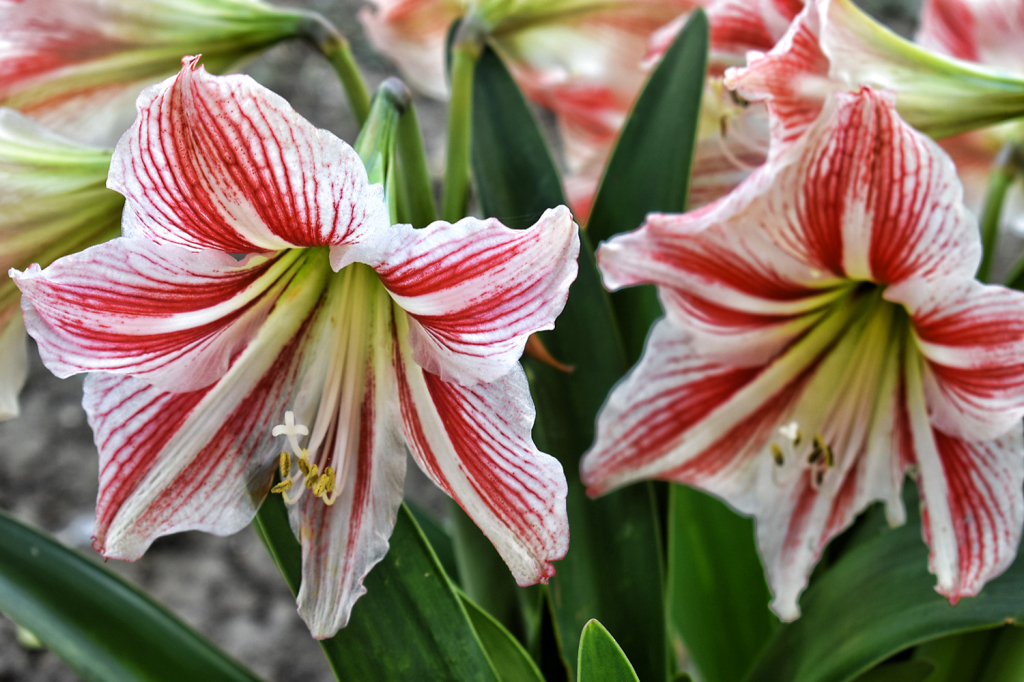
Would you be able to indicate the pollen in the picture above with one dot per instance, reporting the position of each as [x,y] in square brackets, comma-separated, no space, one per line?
[321,484]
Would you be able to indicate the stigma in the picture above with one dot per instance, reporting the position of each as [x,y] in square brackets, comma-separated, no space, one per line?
[307,475]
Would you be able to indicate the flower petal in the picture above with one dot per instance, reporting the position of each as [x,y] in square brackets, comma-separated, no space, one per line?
[475,290]
[223,163]
[973,505]
[475,443]
[158,312]
[198,460]
[864,195]
[364,444]
[412,33]
[972,336]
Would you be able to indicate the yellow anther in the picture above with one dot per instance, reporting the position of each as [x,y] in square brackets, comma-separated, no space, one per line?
[303,466]
[821,451]
[797,438]
[325,483]
[312,475]
[286,465]
[777,454]
[282,486]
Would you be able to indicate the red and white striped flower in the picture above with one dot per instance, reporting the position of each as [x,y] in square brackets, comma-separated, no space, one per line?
[987,32]
[351,337]
[824,337]
[582,59]
[53,201]
[834,46]
[78,65]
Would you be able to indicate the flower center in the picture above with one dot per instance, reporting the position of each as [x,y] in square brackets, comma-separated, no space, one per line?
[322,484]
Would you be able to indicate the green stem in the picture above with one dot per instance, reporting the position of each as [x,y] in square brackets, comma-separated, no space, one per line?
[1006,168]
[416,190]
[465,52]
[333,45]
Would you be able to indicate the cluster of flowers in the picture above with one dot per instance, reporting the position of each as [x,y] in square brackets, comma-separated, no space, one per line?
[824,336]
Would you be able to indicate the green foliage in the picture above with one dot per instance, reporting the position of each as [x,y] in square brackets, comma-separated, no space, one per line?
[649,169]
[102,627]
[613,570]
[875,601]
[410,624]
[601,659]
[717,596]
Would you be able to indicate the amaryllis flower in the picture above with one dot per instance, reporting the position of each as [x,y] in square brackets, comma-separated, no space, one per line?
[988,32]
[53,201]
[833,46]
[732,137]
[824,337]
[582,59]
[78,65]
[349,337]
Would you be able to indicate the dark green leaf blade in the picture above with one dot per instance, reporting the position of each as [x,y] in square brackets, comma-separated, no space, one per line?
[875,601]
[717,595]
[902,671]
[649,169]
[507,654]
[613,570]
[102,627]
[601,659]
[410,624]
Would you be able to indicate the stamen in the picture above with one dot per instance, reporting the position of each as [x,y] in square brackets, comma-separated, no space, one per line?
[286,465]
[312,475]
[777,454]
[325,483]
[282,486]
[303,464]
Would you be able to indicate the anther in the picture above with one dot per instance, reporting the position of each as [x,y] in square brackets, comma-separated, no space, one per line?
[312,475]
[282,486]
[303,466]
[325,483]
[286,465]
[777,454]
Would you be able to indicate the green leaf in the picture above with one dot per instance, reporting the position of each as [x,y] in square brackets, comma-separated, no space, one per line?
[649,169]
[102,627]
[507,654]
[613,570]
[601,659]
[410,624]
[439,538]
[903,671]
[415,188]
[717,595]
[875,601]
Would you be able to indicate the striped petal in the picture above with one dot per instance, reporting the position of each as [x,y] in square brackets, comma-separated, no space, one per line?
[972,336]
[223,163]
[78,65]
[197,460]
[864,195]
[161,313]
[474,442]
[475,290]
[357,431]
[972,502]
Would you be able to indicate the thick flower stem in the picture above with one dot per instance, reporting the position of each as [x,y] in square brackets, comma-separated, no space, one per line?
[416,191]
[1007,166]
[333,45]
[465,52]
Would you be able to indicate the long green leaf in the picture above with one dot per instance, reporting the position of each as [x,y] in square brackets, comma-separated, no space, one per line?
[601,659]
[102,627]
[717,596]
[649,169]
[410,624]
[508,655]
[875,601]
[613,570]
[902,671]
